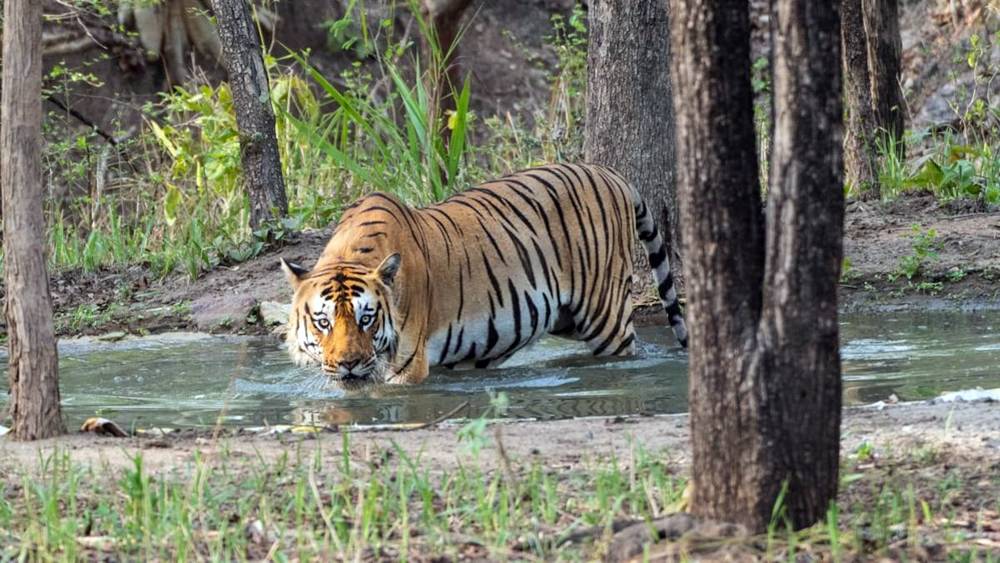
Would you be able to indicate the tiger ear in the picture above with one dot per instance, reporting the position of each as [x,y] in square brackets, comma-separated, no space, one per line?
[388,269]
[293,272]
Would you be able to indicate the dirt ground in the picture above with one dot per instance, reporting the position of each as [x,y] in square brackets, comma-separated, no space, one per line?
[970,429]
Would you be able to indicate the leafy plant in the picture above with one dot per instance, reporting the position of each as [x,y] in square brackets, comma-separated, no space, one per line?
[925,248]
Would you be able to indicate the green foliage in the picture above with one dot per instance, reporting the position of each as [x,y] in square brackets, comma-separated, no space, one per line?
[958,162]
[925,248]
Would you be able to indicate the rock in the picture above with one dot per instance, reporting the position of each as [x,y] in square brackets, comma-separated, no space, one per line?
[273,313]
[113,336]
[937,109]
[678,534]
[222,311]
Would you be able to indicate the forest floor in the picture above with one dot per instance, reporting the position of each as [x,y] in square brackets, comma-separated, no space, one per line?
[919,482]
[912,253]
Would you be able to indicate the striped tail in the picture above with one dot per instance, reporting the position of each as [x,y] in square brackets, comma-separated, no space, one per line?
[645,225]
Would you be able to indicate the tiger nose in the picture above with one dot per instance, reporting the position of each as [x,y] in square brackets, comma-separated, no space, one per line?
[349,365]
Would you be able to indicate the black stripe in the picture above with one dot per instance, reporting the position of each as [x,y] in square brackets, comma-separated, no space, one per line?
[493,278]
[492,336]
[447,344]
[533,312]
[625,343]
[665,285]
[657,258]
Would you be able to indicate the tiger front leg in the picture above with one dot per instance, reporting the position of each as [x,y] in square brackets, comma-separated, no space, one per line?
[413,371]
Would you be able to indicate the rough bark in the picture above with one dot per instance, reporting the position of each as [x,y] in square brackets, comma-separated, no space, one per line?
[630,118]
[723,247]
[797,372]
[861,168]
[254,116]
[33,363]
[764,364]
[885,47]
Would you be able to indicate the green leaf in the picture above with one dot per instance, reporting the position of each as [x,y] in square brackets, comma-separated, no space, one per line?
[161,136]
[929,176]
[171,204]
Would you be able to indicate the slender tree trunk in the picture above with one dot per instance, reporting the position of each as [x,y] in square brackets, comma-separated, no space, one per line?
[885,46]
[764,364]
[861,166]
[630,118]
[33,362]
[254,115]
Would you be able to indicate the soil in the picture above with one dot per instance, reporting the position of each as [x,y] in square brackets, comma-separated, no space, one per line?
[922,446]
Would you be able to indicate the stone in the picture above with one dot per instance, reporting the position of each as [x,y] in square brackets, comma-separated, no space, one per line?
[273,313]
[113,336]
[222,311]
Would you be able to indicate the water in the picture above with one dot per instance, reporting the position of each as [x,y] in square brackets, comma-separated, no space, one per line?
[196,380]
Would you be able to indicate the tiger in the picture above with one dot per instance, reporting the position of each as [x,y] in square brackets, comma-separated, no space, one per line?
[473,279]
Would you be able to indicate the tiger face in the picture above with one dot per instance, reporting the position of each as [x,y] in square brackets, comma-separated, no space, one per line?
[342,320]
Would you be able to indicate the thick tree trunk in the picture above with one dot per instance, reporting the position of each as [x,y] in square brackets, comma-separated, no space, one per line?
[764,364]
[630,118]
[33,363]
[885,47]
[254,115]
[723,244]
[797,372]
[860,157]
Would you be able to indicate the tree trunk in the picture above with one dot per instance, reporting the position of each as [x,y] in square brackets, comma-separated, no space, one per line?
[254,116]
[33,363]
[723,244]
[797,367]
[443,17]
[764,364]
[630,118]
[860,160]
[885,47]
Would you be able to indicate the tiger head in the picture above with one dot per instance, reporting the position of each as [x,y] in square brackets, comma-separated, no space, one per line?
[341,319]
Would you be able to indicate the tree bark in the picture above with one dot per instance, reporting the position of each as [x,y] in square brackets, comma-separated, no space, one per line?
[254,115]
[885,47]
[630,118]
[33,369]
[797,370]
[861,167]
[443,17]
[764,363]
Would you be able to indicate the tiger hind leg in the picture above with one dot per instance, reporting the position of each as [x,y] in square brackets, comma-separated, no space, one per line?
[609,332]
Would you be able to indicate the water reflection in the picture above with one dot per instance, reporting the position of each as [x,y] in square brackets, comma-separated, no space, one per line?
[194,380]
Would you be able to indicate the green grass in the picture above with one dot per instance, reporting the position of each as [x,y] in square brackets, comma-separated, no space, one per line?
[305,505]
[314,502]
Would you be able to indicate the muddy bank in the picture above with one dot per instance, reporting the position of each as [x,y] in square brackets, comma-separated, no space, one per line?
[910,254]
[966,428]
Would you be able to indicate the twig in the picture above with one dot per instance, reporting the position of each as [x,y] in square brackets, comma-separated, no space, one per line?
[441,418]
[83,119]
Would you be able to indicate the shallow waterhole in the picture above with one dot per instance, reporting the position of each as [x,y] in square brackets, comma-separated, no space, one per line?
[192,380]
